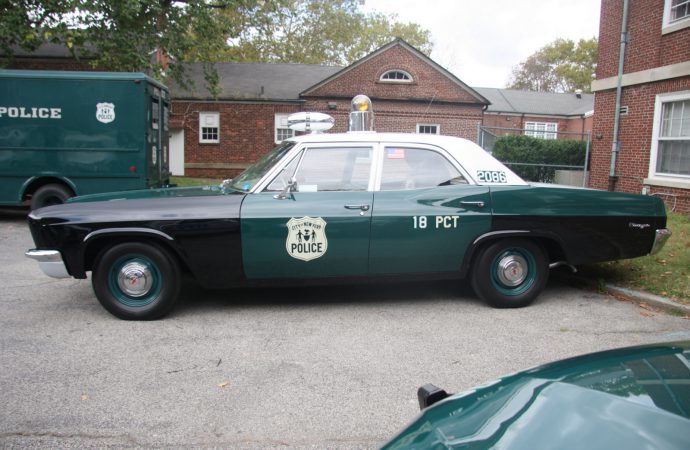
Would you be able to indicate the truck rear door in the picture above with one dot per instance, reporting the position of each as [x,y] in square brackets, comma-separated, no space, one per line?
[158,140]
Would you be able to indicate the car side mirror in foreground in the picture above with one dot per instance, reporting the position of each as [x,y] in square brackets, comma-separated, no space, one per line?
[430,394]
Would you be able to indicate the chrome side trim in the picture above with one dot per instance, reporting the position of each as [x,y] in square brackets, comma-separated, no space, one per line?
[497,233]
[660,239]
[562,263]
[127,230]
[50,262]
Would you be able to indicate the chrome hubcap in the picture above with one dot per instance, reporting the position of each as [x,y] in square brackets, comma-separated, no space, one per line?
[512,270]
[135,279]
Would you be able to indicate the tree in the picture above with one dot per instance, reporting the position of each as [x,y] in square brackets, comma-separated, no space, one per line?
[123,35]
[333,32]
[119,35]
[561,66]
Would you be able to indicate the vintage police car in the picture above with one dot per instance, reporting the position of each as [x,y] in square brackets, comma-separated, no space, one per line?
[336,206]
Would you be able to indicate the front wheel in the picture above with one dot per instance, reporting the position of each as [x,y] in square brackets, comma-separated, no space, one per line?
[510,273]
[136,281]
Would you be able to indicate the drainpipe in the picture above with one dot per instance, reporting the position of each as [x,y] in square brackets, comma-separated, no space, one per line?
[619,89]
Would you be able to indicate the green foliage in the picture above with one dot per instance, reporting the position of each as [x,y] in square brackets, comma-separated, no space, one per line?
[561,66]
[118,35]
[541,152]
[123,35]
[334,32]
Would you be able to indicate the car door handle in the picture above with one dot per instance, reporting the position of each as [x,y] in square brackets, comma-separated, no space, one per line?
[477,203]
[361,207]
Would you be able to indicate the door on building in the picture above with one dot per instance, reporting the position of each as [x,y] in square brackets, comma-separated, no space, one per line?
[177,152]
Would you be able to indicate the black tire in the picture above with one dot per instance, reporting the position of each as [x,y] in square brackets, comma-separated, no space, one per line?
[153,276]
[510,273]
[50,194]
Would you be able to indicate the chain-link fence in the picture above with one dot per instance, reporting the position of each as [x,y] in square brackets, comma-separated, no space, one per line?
[540,154]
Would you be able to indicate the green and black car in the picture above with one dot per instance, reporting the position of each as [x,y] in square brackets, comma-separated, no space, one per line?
[329,207]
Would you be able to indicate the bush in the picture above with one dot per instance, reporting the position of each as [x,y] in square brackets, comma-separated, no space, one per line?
[544,153]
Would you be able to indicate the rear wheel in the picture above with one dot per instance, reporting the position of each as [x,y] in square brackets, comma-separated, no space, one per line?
[50,194]
[510,273]
[136,281]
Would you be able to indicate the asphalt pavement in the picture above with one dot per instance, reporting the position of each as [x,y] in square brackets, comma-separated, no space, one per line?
[320,367]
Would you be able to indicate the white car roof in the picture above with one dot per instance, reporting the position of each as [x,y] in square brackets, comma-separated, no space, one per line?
[474,159]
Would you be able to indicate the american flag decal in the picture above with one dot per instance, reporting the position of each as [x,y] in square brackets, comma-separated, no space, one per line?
[395,153]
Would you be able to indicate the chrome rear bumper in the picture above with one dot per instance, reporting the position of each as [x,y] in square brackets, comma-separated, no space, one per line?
[50,262]
[660,239]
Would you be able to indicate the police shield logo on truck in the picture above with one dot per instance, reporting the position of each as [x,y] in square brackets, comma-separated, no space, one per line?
[306,239]
[105,112]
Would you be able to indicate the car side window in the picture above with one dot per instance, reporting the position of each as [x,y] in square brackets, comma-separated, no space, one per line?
[415,168]
[334,169]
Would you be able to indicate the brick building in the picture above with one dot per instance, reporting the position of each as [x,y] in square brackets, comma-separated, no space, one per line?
[218,136]
[409,91]
[541,114]
[654,123]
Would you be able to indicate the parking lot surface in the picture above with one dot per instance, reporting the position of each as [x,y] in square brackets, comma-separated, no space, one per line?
[317,367]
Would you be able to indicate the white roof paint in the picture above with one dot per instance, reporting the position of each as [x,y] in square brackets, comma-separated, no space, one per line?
[469,155]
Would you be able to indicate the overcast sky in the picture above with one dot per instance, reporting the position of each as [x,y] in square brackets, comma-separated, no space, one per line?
[481,40]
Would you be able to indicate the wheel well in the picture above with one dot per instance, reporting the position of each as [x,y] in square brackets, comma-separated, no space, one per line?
[102,243]
[554,251]
[38,183]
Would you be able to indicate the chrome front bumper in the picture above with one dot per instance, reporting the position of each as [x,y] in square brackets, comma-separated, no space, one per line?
[50,262]
[660,239]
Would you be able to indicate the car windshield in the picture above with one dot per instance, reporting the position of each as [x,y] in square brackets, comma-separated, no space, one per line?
[247,179]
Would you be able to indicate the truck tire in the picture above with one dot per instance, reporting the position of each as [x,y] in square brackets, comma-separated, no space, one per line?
[136,281]
[50,194]
[510,273]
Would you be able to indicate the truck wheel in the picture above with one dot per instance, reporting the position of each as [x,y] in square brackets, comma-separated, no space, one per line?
[136,281]
[50,194]
[510,273]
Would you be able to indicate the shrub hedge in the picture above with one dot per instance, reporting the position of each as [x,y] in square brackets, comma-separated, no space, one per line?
[542,152]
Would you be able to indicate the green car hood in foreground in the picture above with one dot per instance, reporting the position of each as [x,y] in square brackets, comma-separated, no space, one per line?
[632,398]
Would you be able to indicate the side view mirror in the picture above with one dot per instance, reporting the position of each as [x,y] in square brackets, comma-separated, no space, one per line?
[430,394]
[290,187]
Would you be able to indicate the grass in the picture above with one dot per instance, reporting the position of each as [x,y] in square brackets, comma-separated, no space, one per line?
[667,273]
[186,181]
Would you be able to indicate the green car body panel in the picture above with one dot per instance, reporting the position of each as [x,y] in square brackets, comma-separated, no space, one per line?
[88,132]
[632,398]
[402,243]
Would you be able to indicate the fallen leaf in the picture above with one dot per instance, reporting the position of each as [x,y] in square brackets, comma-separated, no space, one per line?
[223,384]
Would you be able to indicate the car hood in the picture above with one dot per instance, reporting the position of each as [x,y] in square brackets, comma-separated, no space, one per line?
[191,191]
[136,207]
[631,398]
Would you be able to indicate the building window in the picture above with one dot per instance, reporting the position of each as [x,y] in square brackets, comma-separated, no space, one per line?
[396,76]
[426,128]
[676,15]
[541,130]
[282,131]
[670,155]
[209,128]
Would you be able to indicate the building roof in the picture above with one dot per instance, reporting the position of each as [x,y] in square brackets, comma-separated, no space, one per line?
[402,43]
[539,103]
[254,81]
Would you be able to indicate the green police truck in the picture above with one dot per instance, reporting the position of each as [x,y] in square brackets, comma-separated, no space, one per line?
[73,133]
